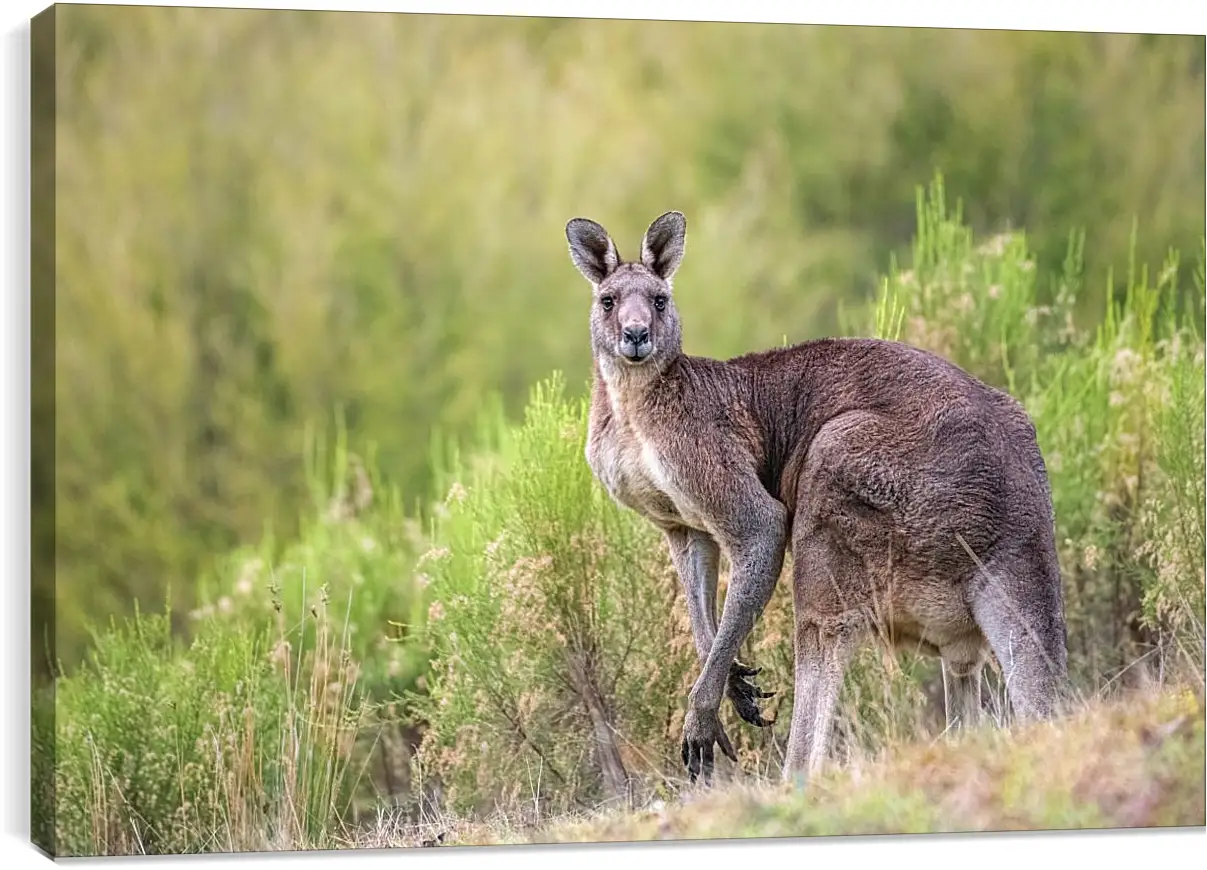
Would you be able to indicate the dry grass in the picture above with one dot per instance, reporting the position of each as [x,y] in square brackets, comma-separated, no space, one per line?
[1137,762]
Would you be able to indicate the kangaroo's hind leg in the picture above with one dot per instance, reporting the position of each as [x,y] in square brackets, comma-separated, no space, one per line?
[822,653]
[842,544]
[825,638]
[1017,604]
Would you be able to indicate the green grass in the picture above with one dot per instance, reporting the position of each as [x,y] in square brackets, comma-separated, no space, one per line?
[239,740]
[523,653]
[554,613]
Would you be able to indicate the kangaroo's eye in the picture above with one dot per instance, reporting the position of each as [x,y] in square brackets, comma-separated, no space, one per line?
[606,302]
[660,302]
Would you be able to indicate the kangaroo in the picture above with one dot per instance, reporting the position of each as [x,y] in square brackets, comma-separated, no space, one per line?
[913,496]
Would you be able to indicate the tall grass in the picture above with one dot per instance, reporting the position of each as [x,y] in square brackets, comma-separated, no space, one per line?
[237,742]
[528,652]
[558,641]
[273,725]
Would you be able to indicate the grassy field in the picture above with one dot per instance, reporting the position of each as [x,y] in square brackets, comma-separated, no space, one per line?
[382,679]
[1127,762]
[317,559]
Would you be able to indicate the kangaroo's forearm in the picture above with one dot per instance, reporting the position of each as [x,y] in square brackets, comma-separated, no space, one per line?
[756,569]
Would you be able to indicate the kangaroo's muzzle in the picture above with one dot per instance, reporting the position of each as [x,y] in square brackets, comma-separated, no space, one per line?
[635,344]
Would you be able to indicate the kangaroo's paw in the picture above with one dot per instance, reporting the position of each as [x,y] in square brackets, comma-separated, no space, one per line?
[701,732]
[745,694]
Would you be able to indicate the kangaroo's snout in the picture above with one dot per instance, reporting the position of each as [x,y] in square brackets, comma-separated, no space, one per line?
[635,344]
[636,334]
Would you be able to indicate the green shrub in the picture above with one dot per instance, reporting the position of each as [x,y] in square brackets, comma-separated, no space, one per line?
[145,736]
[559,642]
[359,544]
[274,726]
[235,742]
[1172,515]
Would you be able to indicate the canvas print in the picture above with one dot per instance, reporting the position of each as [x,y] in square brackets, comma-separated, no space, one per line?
[458,430]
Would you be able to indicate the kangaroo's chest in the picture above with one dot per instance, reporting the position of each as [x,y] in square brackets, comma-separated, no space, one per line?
[640,476]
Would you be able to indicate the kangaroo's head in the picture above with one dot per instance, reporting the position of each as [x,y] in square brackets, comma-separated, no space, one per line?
[634,324]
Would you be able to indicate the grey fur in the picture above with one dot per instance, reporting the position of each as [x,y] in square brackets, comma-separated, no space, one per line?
[914,498]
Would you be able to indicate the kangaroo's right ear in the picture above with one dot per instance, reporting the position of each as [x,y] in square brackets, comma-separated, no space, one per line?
[592,249]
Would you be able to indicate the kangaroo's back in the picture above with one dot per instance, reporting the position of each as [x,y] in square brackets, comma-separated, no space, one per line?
[937,410]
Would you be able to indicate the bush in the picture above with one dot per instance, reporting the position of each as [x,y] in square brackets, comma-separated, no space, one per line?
[272,726]
[358,544]
[234,743]
[559,642]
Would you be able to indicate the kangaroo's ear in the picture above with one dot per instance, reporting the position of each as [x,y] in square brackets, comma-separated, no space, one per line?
[592,249]
[662,247]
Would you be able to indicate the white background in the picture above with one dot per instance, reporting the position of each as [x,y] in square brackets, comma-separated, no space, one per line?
[980,851]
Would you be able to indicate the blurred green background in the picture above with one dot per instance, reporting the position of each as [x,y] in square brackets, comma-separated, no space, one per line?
[266,219]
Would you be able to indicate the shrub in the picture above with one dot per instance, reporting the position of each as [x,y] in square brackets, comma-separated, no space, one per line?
[236,742]
[559,642]
[359,544]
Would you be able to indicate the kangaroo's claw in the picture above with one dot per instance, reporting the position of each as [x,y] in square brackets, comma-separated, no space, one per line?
[744,670]
[745,694]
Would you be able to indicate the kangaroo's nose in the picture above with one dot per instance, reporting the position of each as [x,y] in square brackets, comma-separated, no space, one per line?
[637,335]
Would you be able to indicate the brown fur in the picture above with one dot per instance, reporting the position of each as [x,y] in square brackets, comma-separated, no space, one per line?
[914,499]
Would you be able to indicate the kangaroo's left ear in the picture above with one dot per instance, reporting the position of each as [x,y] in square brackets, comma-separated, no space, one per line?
[662,247]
